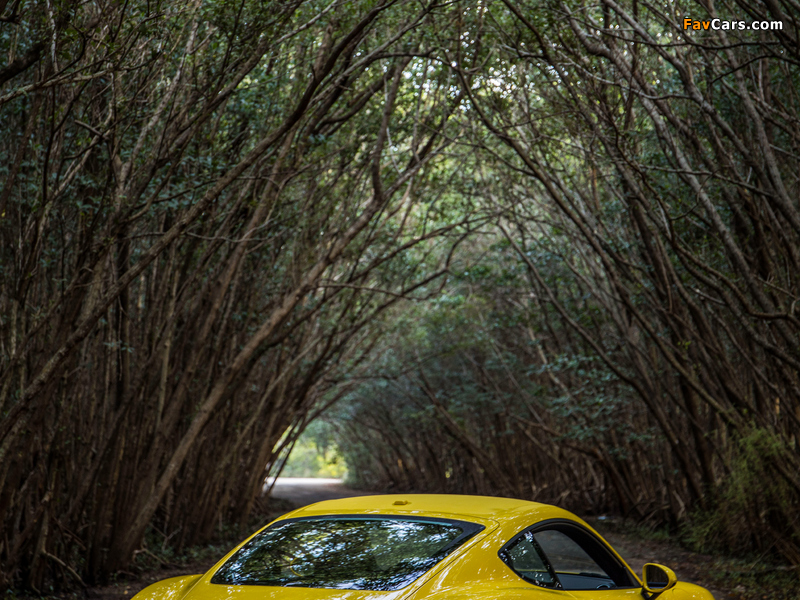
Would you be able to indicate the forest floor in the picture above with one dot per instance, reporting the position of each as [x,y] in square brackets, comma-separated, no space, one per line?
[726,578]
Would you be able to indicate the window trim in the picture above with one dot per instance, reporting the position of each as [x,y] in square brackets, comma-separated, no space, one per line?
[503,554]
[556,525]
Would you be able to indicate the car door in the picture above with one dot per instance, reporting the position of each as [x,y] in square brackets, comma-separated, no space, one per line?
[562,555]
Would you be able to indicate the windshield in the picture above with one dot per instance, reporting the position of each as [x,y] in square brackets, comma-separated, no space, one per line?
[353,553]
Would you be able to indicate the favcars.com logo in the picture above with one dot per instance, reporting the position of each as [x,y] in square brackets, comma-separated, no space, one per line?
[721,24]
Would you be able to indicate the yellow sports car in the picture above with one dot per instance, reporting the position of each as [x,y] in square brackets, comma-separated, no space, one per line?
[435,547]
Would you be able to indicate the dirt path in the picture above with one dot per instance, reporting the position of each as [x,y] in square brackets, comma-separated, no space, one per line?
[301,491]
[688,566]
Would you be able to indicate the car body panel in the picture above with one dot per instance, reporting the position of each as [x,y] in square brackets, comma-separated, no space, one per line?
[491,591]
[209,591]
[472,571]
[173,588]
[619,594]
[684,590]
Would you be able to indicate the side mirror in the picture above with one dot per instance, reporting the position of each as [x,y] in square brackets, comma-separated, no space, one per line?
[658,578]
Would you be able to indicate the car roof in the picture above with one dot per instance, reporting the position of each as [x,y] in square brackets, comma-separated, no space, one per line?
[459,506]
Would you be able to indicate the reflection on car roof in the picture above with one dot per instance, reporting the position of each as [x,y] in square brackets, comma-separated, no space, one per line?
[481,507]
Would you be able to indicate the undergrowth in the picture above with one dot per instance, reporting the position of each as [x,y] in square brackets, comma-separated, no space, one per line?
[755,509]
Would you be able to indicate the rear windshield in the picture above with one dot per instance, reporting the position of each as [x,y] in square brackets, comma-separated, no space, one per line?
[351,553]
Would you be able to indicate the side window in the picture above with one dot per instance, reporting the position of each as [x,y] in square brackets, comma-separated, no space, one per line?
[524,558]
[561,554]
[575,569]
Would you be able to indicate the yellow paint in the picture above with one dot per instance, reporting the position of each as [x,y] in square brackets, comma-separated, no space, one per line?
[473,571]
[671,578]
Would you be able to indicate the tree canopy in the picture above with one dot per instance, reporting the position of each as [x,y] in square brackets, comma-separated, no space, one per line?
[537,248]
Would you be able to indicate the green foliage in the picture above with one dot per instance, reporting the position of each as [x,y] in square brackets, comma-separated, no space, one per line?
[314,454]
[755,505]
[478,348]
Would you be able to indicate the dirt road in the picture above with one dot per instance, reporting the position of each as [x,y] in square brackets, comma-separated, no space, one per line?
[301,491]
